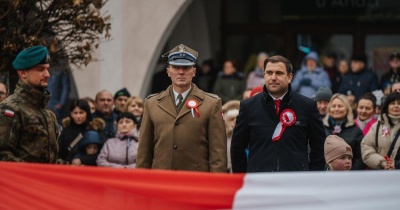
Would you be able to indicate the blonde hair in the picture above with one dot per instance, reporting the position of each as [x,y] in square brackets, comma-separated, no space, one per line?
[133,99]
[349,115]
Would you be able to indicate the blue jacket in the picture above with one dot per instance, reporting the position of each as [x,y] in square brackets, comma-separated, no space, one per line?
[318,78]
[90,137]
[308,82]
[59,87]
[110,129]
[361,83]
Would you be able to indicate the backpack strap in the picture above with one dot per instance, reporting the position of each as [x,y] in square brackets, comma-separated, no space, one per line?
[393,143]
[74,142]
[376,134]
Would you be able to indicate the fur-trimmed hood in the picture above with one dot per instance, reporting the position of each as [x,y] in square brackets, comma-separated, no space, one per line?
[96,124]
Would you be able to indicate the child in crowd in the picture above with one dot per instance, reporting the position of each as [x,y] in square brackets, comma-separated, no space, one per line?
[338,154]
[89,149]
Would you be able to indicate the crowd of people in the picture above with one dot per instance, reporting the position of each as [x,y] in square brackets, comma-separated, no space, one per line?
[331,115]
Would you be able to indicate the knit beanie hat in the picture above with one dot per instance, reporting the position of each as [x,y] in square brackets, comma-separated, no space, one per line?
[323,94]
[335,147]
[312,55]
[122,92]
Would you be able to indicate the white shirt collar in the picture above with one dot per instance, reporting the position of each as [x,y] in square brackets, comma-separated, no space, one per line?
[277,98]
[184,94]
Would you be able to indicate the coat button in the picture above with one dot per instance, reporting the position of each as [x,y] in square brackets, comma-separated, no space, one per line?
[176,123]
[175,147]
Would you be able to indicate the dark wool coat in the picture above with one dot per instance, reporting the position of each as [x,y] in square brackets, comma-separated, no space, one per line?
[352,135]
[255,126]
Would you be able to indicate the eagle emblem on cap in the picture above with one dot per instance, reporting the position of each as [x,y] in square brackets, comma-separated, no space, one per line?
[47,58]
[181,48]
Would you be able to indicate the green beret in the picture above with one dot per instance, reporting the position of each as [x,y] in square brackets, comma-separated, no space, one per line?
[30,57]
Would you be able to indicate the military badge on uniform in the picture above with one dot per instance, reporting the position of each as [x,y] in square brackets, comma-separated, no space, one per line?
[8,113]
[192,105]
[385,131]
[286,119]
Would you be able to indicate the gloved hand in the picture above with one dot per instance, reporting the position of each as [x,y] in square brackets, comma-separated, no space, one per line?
[305,82]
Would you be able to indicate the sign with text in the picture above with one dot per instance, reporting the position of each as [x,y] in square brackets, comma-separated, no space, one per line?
[342,10]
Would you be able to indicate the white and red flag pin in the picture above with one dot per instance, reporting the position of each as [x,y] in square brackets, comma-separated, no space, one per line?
[8,113]
[286,119]
[192,105]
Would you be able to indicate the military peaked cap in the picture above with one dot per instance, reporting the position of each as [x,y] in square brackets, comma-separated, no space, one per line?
[181,55]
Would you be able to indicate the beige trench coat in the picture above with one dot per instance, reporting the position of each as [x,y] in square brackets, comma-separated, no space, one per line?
[178,141]
[372,155]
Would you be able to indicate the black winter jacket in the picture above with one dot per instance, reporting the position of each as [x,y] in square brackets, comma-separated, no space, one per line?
[352,135]
[254,128]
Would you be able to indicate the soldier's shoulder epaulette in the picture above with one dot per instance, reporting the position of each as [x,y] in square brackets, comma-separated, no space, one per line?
[154,94]
[211,95]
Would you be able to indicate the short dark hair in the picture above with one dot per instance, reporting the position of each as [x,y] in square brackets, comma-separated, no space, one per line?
[126,115]
[371,97]
[385,107]
[280,59]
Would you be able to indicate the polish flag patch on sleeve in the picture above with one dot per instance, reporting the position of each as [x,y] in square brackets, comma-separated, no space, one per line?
[8,113]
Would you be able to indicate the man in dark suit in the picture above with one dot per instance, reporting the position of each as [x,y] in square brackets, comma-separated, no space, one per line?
[182,127]
[277,126]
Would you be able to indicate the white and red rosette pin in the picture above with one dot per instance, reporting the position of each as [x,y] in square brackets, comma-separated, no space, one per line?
[192,105]
[385,131]
[286,119]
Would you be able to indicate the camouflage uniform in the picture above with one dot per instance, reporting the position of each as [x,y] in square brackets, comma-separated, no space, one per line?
[28,130]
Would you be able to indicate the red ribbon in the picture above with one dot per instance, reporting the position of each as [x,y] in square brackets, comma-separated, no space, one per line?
[286,119]
[193,104]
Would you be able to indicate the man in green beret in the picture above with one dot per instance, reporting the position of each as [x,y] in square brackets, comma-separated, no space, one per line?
[29,130]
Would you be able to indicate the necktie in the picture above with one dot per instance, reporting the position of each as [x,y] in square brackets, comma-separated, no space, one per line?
[180,98]
[277,105]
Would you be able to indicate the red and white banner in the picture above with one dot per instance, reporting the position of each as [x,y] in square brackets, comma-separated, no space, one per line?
[40,186]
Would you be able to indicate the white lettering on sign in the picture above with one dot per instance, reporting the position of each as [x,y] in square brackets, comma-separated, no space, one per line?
[347,3]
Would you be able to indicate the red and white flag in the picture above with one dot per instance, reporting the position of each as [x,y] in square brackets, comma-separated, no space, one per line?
[40,186]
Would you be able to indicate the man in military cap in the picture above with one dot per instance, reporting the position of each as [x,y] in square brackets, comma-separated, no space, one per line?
[28,130]
[182,127]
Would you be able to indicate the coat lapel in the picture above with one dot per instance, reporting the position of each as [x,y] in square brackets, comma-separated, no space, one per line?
[165,102]
[196,94]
